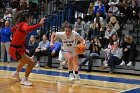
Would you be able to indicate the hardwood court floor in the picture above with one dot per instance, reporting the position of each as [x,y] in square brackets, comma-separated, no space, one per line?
[10,86]
[54,81]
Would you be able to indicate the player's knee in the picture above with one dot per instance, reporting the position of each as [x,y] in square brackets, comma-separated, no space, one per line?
[70,59]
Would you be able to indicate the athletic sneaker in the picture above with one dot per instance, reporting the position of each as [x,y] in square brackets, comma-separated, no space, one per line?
[26,82]
[77,76]
[60,68]
[63,63]
[71,77]
[130,63]
[15,75]
[37,65]
[123,63]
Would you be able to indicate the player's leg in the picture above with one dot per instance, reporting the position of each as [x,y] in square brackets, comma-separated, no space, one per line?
[29,68]
[69,58]
[75,67]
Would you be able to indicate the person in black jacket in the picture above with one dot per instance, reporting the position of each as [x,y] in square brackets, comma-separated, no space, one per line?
[30,46]
[95,48]
[129,50]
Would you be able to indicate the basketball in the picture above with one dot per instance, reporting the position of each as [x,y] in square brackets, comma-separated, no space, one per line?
[80,48]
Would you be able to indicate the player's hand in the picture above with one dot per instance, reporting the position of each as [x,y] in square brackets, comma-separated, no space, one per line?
[42,21]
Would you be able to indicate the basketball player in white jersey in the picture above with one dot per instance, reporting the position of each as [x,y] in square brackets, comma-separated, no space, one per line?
[69,42]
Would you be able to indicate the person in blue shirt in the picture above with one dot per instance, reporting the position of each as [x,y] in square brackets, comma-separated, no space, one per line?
[53,52]
[5,41]
[100,8]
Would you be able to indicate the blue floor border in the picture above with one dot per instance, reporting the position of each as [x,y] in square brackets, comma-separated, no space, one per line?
[83,76]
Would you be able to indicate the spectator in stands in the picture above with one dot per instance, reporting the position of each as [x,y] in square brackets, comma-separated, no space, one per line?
[124,12]
[114,38]
[90,9]
[41,50]
[7,15]
[5,34]
[133,11]
[79,26]
[95,48]
[115,23]
[98,18]
[14,4]
[115,56]
[96,30]
[108,16]
[129,51]
[33,8]
[22,6]
[116,2]
[100,8]
[87,21]
[108,33]
[114,9]
[53,52]
[30,46]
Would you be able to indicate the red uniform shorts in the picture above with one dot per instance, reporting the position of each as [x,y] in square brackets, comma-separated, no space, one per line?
[16,52]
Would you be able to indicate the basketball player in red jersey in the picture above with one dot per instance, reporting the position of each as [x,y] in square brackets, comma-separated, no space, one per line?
[17,49]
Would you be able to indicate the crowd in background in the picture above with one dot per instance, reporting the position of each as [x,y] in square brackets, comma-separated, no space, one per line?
[101,27]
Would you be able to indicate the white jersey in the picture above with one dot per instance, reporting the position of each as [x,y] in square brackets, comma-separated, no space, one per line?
[68,44]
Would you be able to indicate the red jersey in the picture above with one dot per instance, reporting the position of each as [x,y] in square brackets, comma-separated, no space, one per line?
[17,45]
[20,32]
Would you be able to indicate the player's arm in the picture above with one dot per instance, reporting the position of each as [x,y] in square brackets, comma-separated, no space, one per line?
[28,28]
[53,38]
[83,41]
[80,38]
[13,28]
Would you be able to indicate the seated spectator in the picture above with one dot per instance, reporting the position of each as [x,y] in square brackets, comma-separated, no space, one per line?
[115,3]
[96,30]
[114,9]
[133,11]
[41,50]
[90,9]
[100,8]
[87,21]
[79,27]
[53,52]
[124,12]
[30,46]
[7,15]
[129,51]
[14,5]
[115,23]
[115,55]
[114,38]
[98,18]
[95,48]
[108,33]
